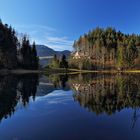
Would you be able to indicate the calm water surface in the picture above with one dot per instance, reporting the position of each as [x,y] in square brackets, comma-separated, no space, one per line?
[76,107]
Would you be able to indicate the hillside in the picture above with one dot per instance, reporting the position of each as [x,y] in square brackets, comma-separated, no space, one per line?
[44,51]
[106,49]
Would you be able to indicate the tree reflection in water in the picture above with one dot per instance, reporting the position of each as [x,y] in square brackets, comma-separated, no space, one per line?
[107,93]
[13,89]
[19,88]
[98,93]
[60,81]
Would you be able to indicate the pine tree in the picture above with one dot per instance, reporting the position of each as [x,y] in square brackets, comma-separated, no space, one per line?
[26,53]
[131,53]
[63,63]
[55,62]
[102,48]
[34,57]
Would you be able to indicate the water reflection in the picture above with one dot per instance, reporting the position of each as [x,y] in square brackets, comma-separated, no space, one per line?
[98,93]
[63,102]
[14,89]
[59,81]
[107,93]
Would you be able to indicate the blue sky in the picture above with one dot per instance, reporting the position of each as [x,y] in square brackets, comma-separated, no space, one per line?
[57,23]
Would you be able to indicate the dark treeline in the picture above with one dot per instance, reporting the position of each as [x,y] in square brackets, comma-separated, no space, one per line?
[106,49]
[106,93]
[27,55]
[15,53]
[14,89]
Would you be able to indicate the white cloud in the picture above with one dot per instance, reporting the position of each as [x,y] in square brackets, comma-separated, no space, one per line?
[46,35]
[59,43]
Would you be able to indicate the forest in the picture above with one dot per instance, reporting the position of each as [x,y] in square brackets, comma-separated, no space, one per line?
[16,52]
[101,49]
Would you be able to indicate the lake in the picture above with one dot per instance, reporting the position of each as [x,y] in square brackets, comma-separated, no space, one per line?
[70,107]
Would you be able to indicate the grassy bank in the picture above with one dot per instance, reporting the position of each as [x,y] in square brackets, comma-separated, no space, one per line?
[61,70]
[106,71]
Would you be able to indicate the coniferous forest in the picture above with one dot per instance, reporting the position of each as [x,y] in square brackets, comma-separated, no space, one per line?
[106,49]
[99,49]
[14,52]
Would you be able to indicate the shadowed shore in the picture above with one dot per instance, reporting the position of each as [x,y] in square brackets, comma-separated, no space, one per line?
[62,71]
[68,71]
[18,71]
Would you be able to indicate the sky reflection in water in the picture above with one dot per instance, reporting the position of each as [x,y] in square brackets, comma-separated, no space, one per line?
[67,114]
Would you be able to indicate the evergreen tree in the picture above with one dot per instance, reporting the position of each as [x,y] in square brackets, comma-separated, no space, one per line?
[131,53]
[34,57]
[107,48]
[26,53]
[8,46]
[55,62]
[15,53]
[64,63]
[120,60]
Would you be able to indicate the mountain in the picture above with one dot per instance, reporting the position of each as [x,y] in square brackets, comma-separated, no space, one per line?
[44,51]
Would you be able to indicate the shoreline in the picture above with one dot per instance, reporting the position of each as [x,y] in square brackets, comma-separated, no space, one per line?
[62,71]
[106,71]
[68,71]
[19,71]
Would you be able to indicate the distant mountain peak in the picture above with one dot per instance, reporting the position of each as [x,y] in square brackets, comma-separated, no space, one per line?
[44,51]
